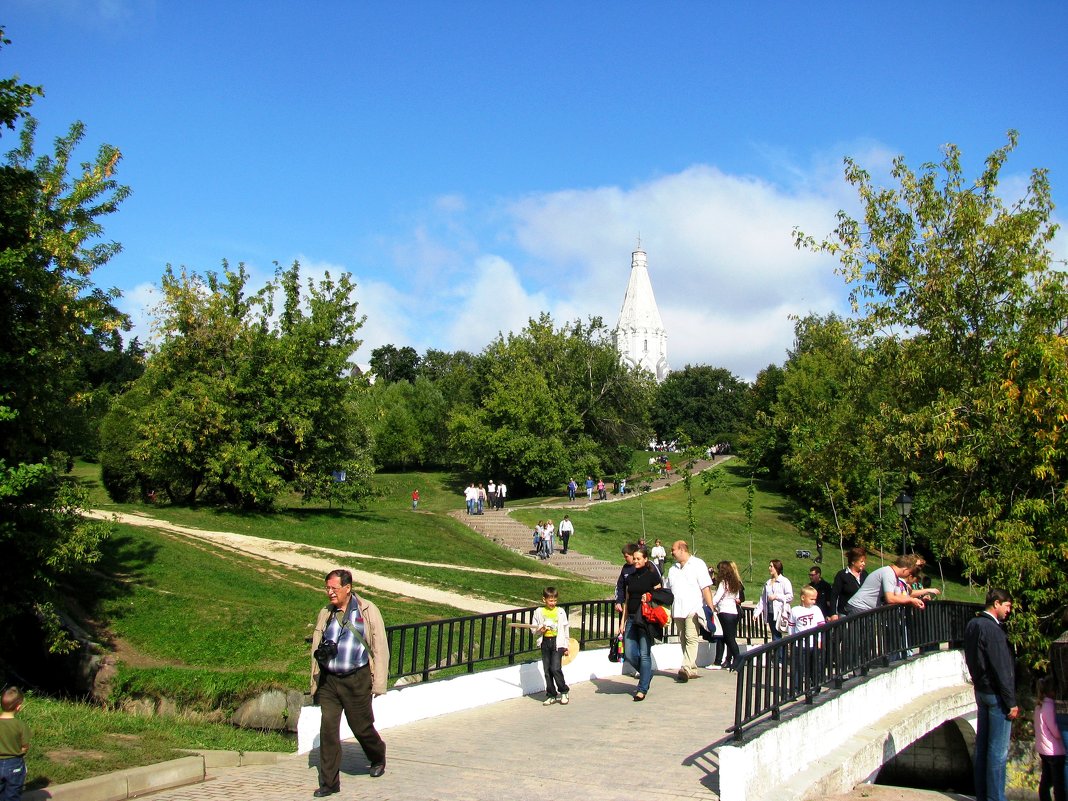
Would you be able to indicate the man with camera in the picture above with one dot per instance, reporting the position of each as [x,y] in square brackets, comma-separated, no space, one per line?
[350,665]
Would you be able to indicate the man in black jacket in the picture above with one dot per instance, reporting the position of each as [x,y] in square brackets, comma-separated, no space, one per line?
[823,590]
[990,661]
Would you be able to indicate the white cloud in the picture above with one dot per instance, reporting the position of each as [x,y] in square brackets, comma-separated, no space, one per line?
[137,304]
[491,302]
[721,259]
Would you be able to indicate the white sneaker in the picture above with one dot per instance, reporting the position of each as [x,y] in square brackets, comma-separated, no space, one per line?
[549,701]
[714,666]
[564,699]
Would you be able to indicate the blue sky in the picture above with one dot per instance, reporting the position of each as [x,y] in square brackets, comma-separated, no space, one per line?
[473,164]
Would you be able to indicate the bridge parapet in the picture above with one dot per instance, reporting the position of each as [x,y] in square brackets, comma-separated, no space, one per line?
[849,734]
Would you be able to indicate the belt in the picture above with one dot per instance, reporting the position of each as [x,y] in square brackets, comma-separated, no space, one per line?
[345,674]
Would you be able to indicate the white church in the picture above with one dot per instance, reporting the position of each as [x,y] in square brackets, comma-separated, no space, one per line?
[639,335]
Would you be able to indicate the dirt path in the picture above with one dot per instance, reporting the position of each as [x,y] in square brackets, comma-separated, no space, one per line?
[320,560]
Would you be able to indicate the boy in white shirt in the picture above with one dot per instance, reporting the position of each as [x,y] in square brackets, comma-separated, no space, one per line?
[804,617]
[554,635]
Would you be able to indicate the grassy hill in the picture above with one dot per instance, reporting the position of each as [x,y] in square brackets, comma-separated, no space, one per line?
[602,529]
[209,627]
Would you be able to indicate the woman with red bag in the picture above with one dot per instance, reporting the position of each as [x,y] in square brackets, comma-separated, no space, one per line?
[638,634]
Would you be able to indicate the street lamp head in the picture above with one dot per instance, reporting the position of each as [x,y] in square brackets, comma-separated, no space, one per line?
[903,504]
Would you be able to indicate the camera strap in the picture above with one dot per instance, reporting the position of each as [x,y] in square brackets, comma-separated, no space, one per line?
[344,623]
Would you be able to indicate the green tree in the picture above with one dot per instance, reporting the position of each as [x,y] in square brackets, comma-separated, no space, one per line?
[236,406]
[552,402]
[958,290]
[407,422]
[390,363]
[763,446]
[457,375]
[49,310]
[702,404]
[822,411]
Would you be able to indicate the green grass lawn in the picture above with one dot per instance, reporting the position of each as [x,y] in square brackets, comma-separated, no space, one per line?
[209,628]
[71,741]
[604,528]
[385,528]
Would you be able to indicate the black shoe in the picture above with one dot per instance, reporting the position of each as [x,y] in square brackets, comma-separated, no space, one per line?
[377,770]
[322,792]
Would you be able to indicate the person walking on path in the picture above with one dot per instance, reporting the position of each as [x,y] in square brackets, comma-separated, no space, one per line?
[691,584]
[572,489]
[725,602]
[589,488]
[415,500]
[350,665]
[553,631]
[637,633]
[567,528]
[990,663]
[659,556]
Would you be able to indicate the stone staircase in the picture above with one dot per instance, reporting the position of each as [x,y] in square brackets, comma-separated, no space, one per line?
[499,527]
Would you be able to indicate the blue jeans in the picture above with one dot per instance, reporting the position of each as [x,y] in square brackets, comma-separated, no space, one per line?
[992,731]
[637,650]
[12,777]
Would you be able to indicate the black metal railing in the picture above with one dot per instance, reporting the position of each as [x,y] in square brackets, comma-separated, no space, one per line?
[779,673]
[465,644]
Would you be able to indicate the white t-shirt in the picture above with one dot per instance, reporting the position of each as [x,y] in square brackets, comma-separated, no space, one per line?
[803,618]
[566,527]
[686,582]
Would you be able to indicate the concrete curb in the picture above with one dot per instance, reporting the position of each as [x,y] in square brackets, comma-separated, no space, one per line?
[133,782]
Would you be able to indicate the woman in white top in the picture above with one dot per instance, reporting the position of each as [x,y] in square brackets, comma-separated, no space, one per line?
[725,604]
[777,595]
[658,555]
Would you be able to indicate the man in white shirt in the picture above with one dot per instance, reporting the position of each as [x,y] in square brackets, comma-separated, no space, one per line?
[691,584]
[567,528]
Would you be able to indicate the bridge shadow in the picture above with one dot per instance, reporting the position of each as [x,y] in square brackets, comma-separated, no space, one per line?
[707,761]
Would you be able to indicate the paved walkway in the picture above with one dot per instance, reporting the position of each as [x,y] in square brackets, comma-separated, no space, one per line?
[601,747]
[508,533]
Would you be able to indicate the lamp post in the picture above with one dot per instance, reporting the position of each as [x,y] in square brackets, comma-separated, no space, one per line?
[903,505]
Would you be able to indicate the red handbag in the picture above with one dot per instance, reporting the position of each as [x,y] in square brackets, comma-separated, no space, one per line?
[654,613]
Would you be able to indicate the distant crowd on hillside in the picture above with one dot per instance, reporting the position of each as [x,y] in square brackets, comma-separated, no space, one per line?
[479,497]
